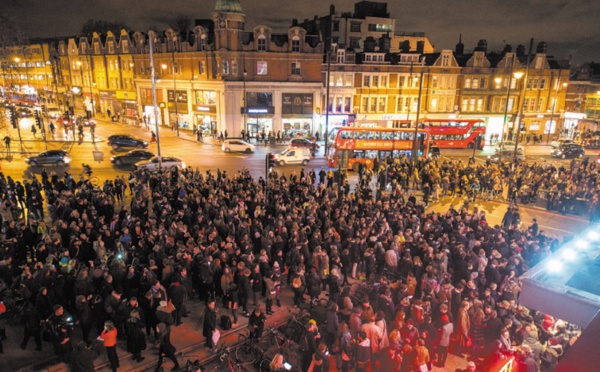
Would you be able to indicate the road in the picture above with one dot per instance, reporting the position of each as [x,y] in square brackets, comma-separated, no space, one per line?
[203,156]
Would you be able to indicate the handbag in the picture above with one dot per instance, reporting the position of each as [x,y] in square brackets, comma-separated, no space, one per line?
[345,357]
[423,368]
[170,305]
[216,336]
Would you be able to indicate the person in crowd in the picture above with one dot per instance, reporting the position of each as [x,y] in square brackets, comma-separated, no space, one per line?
[256,323]
[165,347]
[210,323]
[109,337]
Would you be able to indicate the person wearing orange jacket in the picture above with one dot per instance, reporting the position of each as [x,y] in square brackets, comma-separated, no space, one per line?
[109,336]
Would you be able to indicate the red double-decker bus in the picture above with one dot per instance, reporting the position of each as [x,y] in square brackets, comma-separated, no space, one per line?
[455,133]
[17,98]
[363,145]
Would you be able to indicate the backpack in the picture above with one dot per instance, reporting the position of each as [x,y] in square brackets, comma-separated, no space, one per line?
[297,282]
[225,322]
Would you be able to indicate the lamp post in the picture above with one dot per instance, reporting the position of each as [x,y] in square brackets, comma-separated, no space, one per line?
[151,37]
[244,103]
[328,83]
[511,75]
[91,81]
[80,68]
[415,150]
[520,118]
[175,85]
[554,107]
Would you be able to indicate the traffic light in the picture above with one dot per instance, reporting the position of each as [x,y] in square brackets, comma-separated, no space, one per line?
[38,120]
[270,161]
[13,117]
[44,109]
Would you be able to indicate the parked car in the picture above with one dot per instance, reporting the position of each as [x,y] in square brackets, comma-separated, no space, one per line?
[303,142]
[571,150]
[296,155]
[509,145]
[55,157]
[131,157]
[237,145]
[561,141]
[506,156]
[117,141]
[153,164]
[53,113]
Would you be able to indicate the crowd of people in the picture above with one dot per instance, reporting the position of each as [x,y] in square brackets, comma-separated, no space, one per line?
[122,261]
[573,189]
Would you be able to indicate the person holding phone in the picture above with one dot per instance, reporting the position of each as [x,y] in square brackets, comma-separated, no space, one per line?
[210,323]
[109,337]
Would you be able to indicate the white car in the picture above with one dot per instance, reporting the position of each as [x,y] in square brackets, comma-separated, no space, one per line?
[509,145]
[53,112]
[153,164]
[561,141]
[296,155]
[237,145]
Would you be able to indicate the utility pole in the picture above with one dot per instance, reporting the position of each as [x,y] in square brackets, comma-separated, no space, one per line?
[151,37]
[415,150]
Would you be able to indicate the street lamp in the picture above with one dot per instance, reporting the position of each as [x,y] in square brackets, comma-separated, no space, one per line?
[415,150]
[516,75]
[151,39]
[175,85]
[554,105]
[80,68]
[245,105]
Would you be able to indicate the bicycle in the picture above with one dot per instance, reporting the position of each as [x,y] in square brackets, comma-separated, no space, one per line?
[225,359]
[295,327]
[249,352]
[272,338]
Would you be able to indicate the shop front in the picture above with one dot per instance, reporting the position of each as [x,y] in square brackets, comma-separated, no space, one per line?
[108,102]
[129,107]
[297,115]
[335,121]
[259,112]
[205,111]
[177,105]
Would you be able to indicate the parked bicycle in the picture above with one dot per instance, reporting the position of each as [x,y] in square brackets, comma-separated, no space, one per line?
[249,351]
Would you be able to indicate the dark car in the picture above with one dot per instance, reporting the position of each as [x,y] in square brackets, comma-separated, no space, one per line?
[570,150]
[303,142]
[131,157]
[24,112]
[123,140]
[506,156]
[55,157]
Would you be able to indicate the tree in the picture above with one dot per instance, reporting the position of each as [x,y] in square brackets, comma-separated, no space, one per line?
[102,27]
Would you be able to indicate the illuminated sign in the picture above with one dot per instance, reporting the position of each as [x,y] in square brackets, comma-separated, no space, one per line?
[258,110]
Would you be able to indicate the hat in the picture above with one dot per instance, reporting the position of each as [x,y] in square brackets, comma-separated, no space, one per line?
[312,321]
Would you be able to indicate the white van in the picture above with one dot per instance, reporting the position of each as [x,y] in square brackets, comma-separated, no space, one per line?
[294,155]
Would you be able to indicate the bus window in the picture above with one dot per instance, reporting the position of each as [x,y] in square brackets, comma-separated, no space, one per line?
[371,154]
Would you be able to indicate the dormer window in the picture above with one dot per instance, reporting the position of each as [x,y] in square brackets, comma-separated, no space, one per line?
[262,43]
[96,48]
[83,48]
[296,44]
[111,47]
[125,45]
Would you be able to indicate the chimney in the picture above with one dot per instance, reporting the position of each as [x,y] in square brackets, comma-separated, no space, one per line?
[404,46]
[385,43]
[370,44]
[460,47]
[521,50]
[542,47]
[481,46]
[294,22]
[507,49]
[420,46]
[332,9]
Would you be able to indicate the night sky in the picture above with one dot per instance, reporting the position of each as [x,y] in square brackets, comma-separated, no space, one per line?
[570,27]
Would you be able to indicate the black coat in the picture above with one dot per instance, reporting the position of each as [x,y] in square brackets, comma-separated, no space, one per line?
[136,340]
[210,322]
